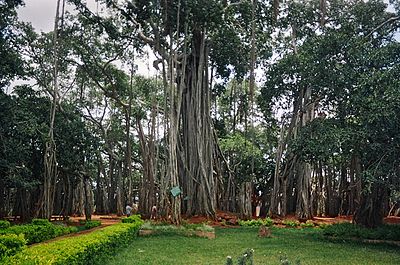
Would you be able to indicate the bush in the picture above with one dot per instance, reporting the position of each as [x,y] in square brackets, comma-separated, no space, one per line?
[348,230]
[256,222]
[307,224]
[86,249]
[132,219]
[40,222]
[245,258]
[92,224]
[4,224]
[38,233]
[11,244]
[291,223]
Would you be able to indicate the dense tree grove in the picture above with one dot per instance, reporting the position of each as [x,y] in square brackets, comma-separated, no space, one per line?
[290,105]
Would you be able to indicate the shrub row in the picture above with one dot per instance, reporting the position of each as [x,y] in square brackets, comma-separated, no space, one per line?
[38,230]
[85,249]
[256,222]
[4,224]
[348,230]
[10,245]
[132,219]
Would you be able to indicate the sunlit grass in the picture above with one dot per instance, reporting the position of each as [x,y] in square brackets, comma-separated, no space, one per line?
[307,245]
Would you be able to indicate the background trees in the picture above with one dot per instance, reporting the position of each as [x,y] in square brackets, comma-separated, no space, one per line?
[198,136]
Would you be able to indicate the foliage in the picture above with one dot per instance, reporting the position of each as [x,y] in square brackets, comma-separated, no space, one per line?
[136,218]
[246,257]
[4,224]
[92,224]
[40,222]
[10,63]
[10,245]
[291,223]
[38,231]
[85,249]
[256,222]
[348,231]
[307,224]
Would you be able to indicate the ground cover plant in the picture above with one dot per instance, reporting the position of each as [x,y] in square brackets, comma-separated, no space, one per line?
[89,248]
[256,222]
[307,245]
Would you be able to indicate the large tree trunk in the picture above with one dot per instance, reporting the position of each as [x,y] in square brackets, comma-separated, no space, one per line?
[197,134]
[147,185]
[370,211]
[88,198]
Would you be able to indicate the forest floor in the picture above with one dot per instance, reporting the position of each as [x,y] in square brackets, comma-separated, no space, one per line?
[306,245]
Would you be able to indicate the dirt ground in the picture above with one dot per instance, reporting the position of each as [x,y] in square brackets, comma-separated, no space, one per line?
[227,219]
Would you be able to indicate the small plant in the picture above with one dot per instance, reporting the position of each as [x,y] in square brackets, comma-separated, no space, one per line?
[307,224]
[92,224]
[291,223]
[229,260]
[40,222]
[256,222]
[244,259]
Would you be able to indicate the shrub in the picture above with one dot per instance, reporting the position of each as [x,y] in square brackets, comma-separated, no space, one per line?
[291,223]
[307,224]
[86,249]
[245,258]
[348,230]
[4,224]
[38,233]
[11,244]
[132,219]
[256,222]
[40,222]
[91,224]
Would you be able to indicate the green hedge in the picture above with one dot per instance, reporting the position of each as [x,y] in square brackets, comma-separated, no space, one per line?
[38,231]
[10,245]
[4,224]
[85,249]
[132,219]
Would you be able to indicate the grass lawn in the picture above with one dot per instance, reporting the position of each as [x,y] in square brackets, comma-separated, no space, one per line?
[306,245]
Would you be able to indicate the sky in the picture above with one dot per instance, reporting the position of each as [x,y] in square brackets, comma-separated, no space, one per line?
[41,14]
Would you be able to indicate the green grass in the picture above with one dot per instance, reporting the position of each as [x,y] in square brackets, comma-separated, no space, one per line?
[307,245]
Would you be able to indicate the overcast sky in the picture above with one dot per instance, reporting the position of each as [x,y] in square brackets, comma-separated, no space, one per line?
[41,13]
